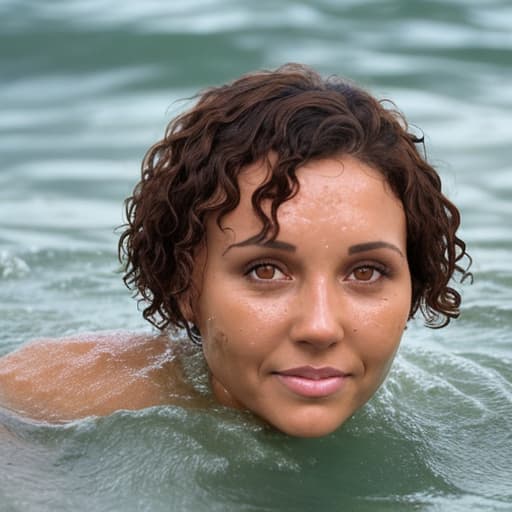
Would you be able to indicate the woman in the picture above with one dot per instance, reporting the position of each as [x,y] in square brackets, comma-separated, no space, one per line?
[291,227]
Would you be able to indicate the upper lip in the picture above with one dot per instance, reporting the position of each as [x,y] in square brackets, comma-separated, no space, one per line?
[310,372]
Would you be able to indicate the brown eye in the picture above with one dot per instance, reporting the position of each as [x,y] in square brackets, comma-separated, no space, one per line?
[266,272]
[364,273]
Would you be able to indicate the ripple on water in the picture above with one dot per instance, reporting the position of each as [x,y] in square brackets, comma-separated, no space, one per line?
[460,410]
[415,444]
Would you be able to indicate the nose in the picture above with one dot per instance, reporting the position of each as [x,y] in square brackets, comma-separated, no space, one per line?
[318,321]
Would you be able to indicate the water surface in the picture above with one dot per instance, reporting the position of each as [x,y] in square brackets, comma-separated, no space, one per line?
[86,87]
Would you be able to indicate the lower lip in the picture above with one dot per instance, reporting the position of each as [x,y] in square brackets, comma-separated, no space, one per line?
[311,388]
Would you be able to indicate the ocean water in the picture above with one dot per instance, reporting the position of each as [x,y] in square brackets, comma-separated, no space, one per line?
[86,86]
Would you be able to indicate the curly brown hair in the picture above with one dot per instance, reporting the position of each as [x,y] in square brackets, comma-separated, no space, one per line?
[297,116]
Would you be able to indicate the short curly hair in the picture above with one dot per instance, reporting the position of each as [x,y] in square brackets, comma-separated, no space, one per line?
[297,116]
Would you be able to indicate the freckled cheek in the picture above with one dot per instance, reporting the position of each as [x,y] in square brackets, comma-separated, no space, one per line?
[215,343]
[379,332]
[241,329]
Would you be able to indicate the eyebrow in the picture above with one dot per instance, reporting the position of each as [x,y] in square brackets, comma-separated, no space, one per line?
[370,246]
[285,246]
[271,244]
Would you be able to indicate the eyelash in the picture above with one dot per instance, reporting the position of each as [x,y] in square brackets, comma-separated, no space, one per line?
[383,270]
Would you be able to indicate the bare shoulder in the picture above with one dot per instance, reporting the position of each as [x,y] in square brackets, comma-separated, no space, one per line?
[90,374]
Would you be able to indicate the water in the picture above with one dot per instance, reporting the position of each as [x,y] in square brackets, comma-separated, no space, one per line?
[86,87]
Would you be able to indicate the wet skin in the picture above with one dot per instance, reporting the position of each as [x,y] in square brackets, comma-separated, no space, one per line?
[303,331]
[59,380]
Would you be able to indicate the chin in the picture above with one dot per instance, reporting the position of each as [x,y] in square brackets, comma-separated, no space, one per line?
[309,426]
[308,431]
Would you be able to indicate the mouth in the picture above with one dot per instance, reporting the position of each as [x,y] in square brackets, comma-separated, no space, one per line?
[310,382]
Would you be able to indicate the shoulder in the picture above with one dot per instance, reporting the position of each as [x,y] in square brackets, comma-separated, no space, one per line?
[87,374]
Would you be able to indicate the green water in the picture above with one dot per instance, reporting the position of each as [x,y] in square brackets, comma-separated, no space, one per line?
[86,87]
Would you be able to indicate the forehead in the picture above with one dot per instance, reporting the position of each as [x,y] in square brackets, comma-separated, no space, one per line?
[342,192]
[346,171]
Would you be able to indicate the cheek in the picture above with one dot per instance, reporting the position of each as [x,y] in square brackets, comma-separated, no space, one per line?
[239,337]
[381,331]
[227,336]
[240,318]
[215,342]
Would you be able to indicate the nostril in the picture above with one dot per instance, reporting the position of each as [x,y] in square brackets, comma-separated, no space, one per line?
[319,342]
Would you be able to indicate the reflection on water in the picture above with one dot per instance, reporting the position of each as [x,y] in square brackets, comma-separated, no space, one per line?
[86,87]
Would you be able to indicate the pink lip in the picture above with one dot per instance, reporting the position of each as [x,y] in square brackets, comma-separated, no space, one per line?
[312,382]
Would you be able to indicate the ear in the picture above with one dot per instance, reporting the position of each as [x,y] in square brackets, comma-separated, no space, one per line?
[186,305]
[187,302]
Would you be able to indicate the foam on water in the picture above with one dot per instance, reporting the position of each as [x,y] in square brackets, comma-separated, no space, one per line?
[12,266]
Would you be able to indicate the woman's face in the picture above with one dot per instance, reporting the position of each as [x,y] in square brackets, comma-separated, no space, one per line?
[302,330]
